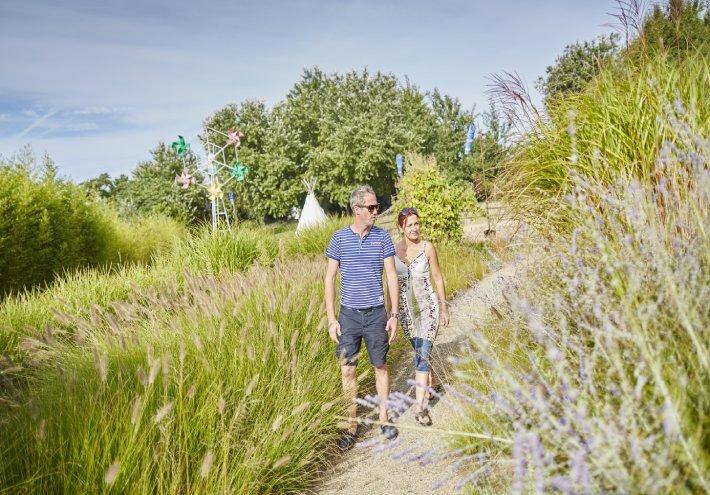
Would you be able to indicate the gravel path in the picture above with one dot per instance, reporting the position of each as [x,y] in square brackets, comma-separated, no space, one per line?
[380,467]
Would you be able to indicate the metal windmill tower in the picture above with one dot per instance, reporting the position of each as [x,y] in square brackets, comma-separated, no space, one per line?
[218,173]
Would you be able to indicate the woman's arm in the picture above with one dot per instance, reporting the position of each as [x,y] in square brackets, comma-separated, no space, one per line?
[438,280]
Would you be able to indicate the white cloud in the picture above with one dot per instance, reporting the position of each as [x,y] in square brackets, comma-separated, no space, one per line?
[98,111]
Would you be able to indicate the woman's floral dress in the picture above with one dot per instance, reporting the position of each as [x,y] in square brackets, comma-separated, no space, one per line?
[418,302]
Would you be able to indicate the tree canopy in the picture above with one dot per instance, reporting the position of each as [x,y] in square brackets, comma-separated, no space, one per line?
[342,129]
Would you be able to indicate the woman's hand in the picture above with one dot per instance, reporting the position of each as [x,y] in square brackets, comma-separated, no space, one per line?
[445,318]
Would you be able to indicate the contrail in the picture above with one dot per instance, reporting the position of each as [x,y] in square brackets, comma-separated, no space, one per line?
[34,124]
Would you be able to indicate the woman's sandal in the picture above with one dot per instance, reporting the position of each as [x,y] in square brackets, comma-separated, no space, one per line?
[423,418]
[438,388]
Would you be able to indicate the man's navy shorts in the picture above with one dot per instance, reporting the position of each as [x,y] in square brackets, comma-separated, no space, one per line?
[357,324]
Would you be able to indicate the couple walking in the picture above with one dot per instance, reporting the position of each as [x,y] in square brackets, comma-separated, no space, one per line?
[360,252]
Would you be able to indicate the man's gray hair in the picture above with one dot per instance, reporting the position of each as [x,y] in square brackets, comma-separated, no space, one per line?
[358,195]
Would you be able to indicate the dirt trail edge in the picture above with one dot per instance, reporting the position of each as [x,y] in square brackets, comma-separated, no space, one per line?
[378,467]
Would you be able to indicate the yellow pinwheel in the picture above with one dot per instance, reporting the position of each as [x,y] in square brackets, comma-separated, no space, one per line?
[214,190]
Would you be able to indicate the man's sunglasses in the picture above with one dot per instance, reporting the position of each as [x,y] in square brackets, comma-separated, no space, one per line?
[370,208]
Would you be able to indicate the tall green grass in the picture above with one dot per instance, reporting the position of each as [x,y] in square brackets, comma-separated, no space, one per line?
[203,251]
[461,265]
[206,372]
[235,369]
[141,239]
[311,241]
[613,129]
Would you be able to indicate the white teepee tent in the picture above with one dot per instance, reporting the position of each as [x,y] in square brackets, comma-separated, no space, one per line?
[312,214]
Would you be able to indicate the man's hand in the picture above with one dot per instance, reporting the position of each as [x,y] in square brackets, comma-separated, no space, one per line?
[392,329]
[334,330]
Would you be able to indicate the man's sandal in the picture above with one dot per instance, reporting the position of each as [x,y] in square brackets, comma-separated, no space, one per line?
[423,418]
[347,441]
[389,432]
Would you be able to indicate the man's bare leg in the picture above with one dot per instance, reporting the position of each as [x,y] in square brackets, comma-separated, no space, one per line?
[382,383]
[349,378]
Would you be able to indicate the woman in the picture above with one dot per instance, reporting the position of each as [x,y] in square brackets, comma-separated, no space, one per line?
[422,305]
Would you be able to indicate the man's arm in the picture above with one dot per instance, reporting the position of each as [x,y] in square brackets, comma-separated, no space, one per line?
[330,274]
[393,292]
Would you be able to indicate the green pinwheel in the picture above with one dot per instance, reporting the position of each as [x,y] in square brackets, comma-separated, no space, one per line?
[180,147]
[238,170]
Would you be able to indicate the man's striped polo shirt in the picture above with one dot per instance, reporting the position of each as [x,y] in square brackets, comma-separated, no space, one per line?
[361,262]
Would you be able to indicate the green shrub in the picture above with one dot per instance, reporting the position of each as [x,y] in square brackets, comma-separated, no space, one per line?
[49,226]
[439,202]
[46,227]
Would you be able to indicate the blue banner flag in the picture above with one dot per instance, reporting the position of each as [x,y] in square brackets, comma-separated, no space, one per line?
[469,139]
[400,164]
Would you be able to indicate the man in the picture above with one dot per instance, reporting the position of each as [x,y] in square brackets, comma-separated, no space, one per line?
[360,251]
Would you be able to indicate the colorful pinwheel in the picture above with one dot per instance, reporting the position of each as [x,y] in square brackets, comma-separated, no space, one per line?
[214,190]
[238,170]
[180,147]
[185,179]
[235,138]
[210,158]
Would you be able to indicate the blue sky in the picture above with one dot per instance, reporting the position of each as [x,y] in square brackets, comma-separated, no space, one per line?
[98,84]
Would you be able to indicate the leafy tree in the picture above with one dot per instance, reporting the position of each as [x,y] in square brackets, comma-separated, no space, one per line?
[266,191]
[152,189]
[450,125]
[577,65]
[359,126]
[103,186]
[677,27]
[344,130]
[490,149]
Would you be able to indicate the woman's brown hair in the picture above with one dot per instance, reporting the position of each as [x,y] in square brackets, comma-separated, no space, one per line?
[406,213]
